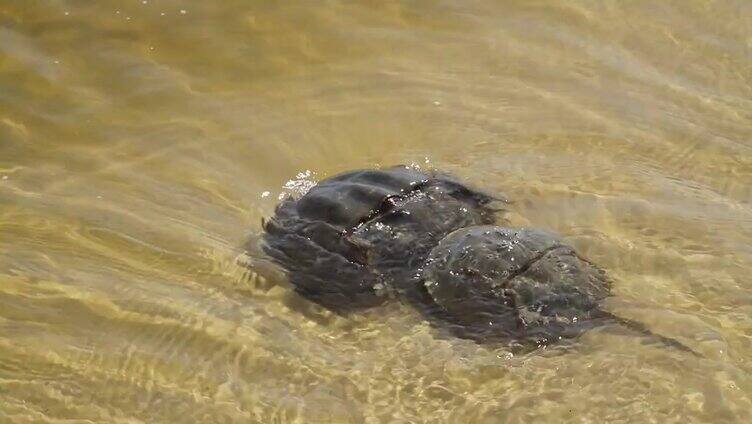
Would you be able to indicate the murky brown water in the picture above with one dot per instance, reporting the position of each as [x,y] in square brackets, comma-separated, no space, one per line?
[137,143]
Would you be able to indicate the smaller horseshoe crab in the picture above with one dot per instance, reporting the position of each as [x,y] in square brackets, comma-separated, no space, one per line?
[359,234]
[521,285]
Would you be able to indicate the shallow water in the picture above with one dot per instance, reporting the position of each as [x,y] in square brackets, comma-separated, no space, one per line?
[141,143]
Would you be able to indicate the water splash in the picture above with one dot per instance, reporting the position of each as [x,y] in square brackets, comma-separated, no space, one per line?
[300,185]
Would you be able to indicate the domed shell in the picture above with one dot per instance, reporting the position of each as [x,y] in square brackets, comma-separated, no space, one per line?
[513,283]
[347,199]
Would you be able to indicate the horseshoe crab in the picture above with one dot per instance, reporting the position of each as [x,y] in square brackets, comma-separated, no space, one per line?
[521,285]
[358,235]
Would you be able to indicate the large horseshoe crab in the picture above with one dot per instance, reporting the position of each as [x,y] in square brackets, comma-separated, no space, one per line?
[358,235]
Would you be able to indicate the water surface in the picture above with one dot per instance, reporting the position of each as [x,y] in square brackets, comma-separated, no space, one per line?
[141,142]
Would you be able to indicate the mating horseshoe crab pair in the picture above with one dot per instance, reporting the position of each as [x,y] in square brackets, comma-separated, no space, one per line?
[360,237]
